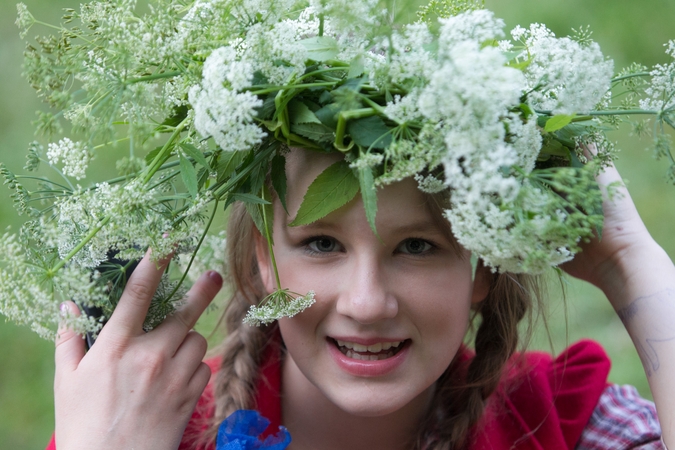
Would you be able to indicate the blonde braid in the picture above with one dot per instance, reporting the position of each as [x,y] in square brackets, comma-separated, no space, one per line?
[243,348]
[461,392]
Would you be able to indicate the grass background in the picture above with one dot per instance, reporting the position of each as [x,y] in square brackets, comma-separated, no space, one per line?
[626,30]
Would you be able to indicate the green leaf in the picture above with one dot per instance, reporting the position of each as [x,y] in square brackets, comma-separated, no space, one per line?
[254,211]
[356,67]
[369,195]
[321,48]
[151,156]
[195,154]
[333,188]
[520,65]
[300,113]
[328,115]
[272,125]
[228,163]
[278,174]
[554,147]
[179,114]
[266,111]
[249,198]
[558,122]
[314,131]
[370,132]
[189,175]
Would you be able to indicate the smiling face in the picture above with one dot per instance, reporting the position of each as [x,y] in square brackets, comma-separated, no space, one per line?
[390,313]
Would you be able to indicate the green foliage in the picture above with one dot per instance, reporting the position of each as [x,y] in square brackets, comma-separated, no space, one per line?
[189,175]
[370,132]
[321,48]
[558,122]
[333,188]
[368,195]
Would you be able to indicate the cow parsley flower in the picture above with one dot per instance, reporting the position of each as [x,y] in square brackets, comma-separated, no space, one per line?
[24,19]
[276,52]
[566,77]
[661,92]
[75,157]
[477,26]
[278,305]
[410,61]
[221,110]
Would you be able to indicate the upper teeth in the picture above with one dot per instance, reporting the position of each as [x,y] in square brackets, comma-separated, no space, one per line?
[369,348]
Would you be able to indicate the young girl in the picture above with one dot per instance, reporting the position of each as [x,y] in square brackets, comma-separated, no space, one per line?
[378,362]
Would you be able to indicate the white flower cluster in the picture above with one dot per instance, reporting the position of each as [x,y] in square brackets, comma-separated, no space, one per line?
[210,256]
[276,306]
[221,109]
[565,76]
[265,47]
[124,217]
[27,300]
[24,19]
[75,157]
[349,17]
[661,92]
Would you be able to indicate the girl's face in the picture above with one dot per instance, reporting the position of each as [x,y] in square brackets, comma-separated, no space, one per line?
[390,313]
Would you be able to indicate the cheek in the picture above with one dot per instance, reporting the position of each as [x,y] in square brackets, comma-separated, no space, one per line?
[440,311]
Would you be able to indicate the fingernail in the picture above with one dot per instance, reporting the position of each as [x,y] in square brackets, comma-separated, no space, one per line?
[215,277]
[65,309]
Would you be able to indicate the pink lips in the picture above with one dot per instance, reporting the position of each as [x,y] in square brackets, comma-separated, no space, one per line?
[361,368]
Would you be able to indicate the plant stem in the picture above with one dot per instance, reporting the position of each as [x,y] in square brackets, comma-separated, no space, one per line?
[79,246]
[164,152]
[630,75]
[623,112]
[156,76]
[345,116]
[222,189]
[270,89]
[268,236]
[194,254]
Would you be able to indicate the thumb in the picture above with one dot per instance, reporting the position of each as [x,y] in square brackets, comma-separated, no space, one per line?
[69,345]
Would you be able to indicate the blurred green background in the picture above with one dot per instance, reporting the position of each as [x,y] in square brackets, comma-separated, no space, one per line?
[626,30]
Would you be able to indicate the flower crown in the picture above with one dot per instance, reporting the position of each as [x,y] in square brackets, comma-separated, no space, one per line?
[222,88]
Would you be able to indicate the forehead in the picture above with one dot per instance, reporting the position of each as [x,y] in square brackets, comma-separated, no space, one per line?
[400,205]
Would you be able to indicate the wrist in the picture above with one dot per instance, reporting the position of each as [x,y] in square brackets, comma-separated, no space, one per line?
[634,271]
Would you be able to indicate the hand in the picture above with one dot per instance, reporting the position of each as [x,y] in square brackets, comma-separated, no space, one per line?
[625,243]
[133,389]
[638,278]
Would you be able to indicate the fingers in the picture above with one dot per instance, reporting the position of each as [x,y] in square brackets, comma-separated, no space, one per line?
[133,306]
[191,351]
[200,379]
[198,298]
[69,345]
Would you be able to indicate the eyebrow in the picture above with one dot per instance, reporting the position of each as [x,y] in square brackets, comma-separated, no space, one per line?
[425,226]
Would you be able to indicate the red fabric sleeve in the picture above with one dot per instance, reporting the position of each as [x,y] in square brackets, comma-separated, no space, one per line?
[544,404]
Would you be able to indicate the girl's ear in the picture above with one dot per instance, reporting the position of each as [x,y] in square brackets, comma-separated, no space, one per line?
[264,263]
[481,283]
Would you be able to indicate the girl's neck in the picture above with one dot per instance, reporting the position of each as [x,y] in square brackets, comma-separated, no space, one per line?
[316,423]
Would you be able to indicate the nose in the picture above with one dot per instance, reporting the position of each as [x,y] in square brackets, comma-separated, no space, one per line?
[366,296]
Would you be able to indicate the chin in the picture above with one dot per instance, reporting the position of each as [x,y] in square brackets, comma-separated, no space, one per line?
[370,404]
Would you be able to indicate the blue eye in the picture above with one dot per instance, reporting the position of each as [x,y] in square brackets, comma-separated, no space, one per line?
[322,244]
[415,246]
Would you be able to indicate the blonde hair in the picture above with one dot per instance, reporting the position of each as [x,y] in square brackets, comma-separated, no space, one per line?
[459,401]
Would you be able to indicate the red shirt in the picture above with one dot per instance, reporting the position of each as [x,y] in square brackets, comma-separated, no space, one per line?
[541,404]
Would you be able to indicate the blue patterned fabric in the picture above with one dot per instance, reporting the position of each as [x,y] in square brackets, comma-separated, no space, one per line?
[242,429]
